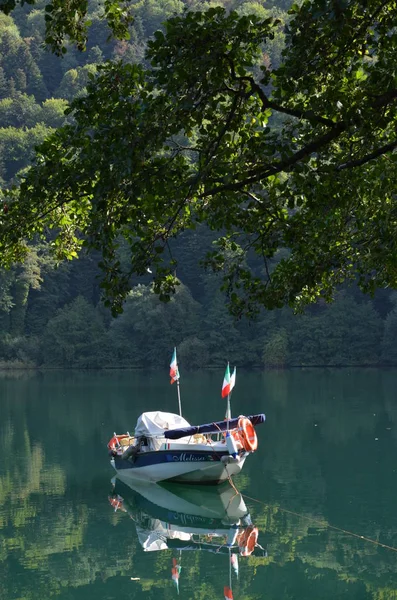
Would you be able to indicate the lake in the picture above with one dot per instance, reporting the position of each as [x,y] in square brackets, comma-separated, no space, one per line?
[325,473]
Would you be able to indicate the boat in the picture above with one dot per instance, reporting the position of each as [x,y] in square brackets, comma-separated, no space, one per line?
[165,447]
[187,517]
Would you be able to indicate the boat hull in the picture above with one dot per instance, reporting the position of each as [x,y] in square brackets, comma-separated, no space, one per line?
[183,505]
[184,466]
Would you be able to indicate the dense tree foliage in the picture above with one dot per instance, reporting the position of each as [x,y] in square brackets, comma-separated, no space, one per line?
[178,150]
[300,156]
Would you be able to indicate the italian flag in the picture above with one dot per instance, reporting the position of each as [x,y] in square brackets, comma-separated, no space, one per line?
[176,569]
[174,371]
[226,386]
[229,381]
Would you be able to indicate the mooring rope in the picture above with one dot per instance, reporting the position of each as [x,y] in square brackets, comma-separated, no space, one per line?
[314,520]
[325,524]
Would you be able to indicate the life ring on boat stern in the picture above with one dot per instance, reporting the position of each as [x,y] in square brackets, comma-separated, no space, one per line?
[248,435]
[114,443]
[247,540]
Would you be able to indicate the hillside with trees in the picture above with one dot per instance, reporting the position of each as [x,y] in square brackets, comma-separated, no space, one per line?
[51,312]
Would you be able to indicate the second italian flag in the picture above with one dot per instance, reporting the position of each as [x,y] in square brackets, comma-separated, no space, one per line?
[229,381]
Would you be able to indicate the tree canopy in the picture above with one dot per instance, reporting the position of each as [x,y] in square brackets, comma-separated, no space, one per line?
[300,156]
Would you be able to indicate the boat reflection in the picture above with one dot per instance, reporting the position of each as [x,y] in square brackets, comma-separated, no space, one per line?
[184,517]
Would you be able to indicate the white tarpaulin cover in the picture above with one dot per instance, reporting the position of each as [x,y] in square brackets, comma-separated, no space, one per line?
[154,423]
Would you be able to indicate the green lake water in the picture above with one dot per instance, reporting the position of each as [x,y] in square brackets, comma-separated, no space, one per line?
[326,468]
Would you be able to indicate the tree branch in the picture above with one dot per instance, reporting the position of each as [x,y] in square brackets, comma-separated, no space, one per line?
[298,114]
[283,165]
[267,103]
[351,164]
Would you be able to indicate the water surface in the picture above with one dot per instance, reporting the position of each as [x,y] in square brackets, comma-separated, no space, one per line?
[325,468]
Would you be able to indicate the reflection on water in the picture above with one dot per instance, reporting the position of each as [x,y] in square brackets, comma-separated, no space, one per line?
[325,457]
[184,518]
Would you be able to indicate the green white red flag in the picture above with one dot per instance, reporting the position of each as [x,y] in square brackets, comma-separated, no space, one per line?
[226,382]
[175,572]
[229,381]
[174,371]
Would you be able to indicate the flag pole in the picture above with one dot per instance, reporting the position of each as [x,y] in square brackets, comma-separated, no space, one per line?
[179,397]
[230,568]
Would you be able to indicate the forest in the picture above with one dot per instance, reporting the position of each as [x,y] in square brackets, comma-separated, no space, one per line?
[52,314]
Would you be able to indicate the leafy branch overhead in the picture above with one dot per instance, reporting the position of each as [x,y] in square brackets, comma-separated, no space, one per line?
[69,21]
[301,157]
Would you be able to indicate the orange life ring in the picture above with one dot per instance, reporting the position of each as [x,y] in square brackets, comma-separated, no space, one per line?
[247,540]
[117,503]
[114,443]
[248,435]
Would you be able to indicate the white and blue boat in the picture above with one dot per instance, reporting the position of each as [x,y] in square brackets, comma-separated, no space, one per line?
[165,447]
